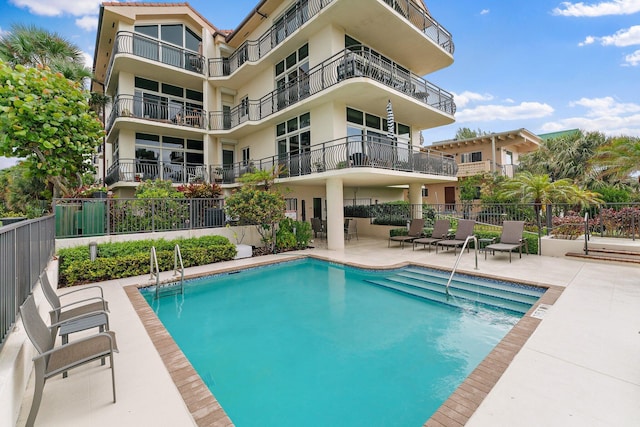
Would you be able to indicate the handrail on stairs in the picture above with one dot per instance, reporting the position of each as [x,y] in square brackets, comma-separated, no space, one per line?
[586,233]
[177,256]
[154,270]
[455,266]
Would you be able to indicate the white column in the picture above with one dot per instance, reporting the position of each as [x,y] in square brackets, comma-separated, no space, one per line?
[335,214]
[415,199]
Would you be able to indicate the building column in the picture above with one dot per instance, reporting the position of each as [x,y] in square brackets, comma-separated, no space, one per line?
[335,214]
[415,199]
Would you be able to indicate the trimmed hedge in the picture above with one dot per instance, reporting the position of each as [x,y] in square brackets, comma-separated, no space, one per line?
[126,259]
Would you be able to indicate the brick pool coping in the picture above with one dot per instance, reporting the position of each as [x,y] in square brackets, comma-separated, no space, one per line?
[455,411]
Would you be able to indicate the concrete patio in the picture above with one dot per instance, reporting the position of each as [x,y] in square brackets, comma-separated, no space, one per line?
[579,368]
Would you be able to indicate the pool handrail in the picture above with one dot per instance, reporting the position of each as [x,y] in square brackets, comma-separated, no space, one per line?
[154,270]
[177,256]
[455,266]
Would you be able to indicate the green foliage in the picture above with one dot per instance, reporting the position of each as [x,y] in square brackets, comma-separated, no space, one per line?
[469,187]
[253,205]
[126,259]
[200,190]
[287,240]
[46,119]
[32,46]
[466,133]
[541,190]
[157,189]
[22,193]
[618,158]
[612,194]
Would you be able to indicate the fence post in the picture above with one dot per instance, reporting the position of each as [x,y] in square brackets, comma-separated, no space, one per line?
[549,218]
[108,216]
[153,215]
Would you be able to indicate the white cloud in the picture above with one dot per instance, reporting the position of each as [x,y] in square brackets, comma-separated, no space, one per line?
[602,115]
[88,60]
[59,7]
[633,59]
[466,97]
[88,23]
[522,111]
[625,37]
[484,12]
[612,7]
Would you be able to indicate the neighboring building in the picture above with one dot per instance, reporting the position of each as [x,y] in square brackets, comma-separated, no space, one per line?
[304,85]
[558,134]
[493,153]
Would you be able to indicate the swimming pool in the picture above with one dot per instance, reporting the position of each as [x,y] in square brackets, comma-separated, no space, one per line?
[313,343]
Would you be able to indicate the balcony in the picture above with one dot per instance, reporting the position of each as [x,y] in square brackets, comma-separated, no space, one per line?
[341,154]
[160,111]
[252,51]
[477,168]
[356,62]
[156,51]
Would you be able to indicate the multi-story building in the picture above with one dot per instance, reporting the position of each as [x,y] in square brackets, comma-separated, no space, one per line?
[330,91]
[497,153]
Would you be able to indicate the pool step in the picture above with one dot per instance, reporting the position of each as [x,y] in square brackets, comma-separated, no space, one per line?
[430,284]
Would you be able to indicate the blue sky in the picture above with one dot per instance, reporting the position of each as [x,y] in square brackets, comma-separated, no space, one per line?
[545,65]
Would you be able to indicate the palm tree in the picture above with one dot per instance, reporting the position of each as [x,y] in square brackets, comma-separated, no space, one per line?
[32,46]
[618,158]
[566,156]
[541,190]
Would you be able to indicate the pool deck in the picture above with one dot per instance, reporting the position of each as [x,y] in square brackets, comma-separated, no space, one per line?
[579,367]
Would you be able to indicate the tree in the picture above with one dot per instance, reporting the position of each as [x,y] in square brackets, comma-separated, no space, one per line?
[258,203]
[618,158]
[46,119]
[541,190]
[565,157]
[466,133]
[21,193]
[32,46]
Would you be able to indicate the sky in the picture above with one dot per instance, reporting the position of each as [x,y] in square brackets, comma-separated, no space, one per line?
[543,65]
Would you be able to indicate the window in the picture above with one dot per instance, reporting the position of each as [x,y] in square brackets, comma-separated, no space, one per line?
[471,157]
[245,156]
[294,144]
[425,192]
[368,139]
[292,77]
[163,101]
[244,106]
[166,43]
[166,157]
[290,21]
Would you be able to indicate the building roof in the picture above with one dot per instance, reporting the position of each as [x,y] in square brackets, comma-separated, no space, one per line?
[518,135]
[559,134]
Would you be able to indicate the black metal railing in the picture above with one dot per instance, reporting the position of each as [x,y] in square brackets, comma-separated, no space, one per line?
[26,248]
[130,170]
[145,47]
[165,111]
[303,11]
[343,153]
[100,217]
[417,15]
[357,61]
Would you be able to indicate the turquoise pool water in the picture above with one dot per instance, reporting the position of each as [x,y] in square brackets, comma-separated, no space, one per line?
[309,343]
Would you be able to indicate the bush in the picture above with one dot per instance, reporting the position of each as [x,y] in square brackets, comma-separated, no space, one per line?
[126,259]
[287,240]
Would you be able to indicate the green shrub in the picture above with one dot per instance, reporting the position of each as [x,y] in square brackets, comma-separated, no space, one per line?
[287,240]
[126,259]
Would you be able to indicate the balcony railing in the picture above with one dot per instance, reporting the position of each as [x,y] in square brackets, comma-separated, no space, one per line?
[349,63]
[155,50]
[129,170]
[156,110]
[343,153]
[254,50]
[425,23]
[476,168]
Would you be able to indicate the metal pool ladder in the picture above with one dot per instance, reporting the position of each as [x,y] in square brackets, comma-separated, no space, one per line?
[475,249]
[155,270]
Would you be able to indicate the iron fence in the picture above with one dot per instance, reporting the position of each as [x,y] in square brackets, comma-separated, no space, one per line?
[26,248]
[99,217]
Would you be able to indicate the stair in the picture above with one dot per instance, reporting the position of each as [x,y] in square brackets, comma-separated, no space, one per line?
[602,254]
[464,290]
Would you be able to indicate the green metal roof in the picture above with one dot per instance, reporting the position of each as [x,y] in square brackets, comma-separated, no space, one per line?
[561,133]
